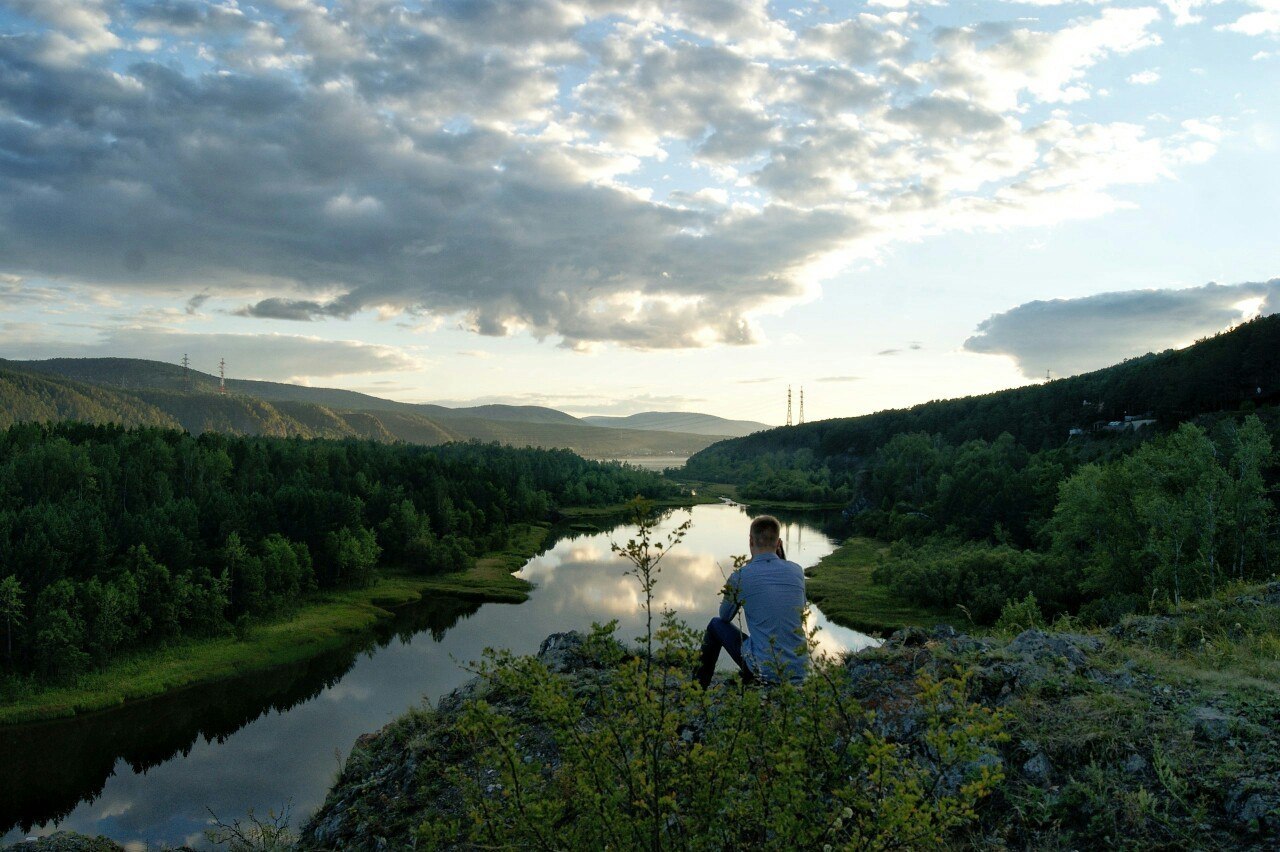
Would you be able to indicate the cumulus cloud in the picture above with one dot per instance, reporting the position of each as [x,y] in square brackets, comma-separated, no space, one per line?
[1263,20]
[486,163]
[1069,336]
[271,357]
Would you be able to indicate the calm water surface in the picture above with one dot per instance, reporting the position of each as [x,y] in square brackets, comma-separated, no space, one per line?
[152,772]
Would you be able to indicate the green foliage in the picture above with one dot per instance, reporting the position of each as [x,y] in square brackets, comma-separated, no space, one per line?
[115,540]
[977,577]
[1176,519]
[11,610]
[1017,616]
[645,758]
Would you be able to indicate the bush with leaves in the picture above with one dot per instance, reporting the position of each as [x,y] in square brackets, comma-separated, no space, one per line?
[638,755]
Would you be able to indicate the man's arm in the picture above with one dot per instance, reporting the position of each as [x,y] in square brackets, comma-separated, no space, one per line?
[732,596]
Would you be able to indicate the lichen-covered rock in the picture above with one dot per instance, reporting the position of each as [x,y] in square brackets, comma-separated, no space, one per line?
[1211,723]
[68,841]
[1078,708]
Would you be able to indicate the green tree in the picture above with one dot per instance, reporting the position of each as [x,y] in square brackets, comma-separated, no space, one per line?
[11,610]
[59,638]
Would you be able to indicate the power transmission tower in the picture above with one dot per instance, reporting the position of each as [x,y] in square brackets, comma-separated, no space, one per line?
[186,372]
[788,405]
[222,376]
[802,403]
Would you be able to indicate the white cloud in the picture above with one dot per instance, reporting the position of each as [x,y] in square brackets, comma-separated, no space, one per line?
[490,165]
[1144,78]
[1264,21]
[273,357]
[1070,336]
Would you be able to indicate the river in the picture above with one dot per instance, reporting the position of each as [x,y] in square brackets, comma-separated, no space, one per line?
[151,773]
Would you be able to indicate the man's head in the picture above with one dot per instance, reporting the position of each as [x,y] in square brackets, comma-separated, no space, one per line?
[765,532]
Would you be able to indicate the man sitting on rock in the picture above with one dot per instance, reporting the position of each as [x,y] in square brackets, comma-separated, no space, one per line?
[771,591]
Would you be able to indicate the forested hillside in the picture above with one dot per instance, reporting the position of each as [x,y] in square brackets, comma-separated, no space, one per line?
[115,539]
[35,399]
[990,503]
[152,393]
[1222,372]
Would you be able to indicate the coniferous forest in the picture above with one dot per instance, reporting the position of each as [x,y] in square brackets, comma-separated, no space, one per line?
[115,539]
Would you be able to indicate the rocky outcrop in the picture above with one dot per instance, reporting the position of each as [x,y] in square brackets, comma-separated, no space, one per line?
[1091,729]
[68,841]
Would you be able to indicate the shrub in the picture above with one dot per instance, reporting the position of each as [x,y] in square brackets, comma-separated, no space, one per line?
[1017,616]
[645,758]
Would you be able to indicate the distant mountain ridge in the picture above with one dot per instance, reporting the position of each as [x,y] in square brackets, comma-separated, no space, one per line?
[141,392]
[680,421]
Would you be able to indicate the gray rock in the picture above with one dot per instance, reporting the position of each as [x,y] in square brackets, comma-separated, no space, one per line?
[1211,723]
[1069,649]
[562,652]
[1255,805]
[68,841]
[909,637]
[1038,769]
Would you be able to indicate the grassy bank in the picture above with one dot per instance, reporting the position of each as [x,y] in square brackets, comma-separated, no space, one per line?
[617,509]
[702,493]
[841,585]
[324,623]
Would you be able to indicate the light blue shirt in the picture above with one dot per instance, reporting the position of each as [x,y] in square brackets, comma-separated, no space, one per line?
[771,590]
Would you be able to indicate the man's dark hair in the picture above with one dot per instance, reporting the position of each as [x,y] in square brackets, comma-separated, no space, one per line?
[765,530]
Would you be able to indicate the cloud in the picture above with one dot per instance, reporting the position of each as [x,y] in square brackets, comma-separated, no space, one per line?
[272,357]
[840,379]
[1069,336]
[490,165]
[1264,21]
[196,302]
[1144,78]
[300,310]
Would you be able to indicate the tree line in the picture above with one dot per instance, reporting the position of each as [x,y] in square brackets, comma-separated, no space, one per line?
[1221,373]
[114,539]
[985,523]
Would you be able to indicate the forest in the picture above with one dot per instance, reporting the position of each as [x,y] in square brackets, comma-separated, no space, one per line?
[114,539]
[983,524]
[993,500]
[822,460]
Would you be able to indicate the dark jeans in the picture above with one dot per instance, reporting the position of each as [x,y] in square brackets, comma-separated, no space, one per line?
[722,634]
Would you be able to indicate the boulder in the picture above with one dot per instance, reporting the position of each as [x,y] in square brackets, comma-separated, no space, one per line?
[1211,724]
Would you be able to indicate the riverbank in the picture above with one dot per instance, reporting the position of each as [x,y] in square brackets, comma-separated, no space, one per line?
[841,585]
[700,494]
[324,623]
[701,498]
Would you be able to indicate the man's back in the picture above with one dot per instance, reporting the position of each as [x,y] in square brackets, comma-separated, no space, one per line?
[771,590]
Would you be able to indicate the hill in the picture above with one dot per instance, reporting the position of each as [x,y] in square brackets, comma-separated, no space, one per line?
[149,393]
[27,398]
[680,421]
[1237,367]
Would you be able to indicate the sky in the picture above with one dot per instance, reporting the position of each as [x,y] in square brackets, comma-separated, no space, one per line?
[611,207]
